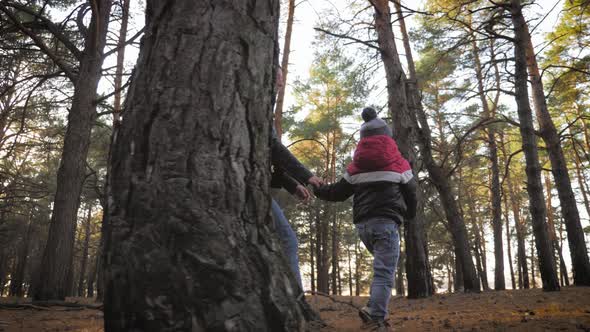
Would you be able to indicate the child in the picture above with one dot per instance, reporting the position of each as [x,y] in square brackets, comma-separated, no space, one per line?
[384,190]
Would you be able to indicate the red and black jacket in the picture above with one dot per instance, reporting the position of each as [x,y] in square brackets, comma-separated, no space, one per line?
[380,179]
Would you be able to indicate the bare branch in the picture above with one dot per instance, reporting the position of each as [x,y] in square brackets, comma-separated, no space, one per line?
[342,36]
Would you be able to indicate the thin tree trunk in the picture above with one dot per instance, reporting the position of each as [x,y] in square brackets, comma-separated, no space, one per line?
[55,274]
[92,275]
[17,278]
[399,280]
[285,68]
[495,193]
[534,280]
[564,274]
[550,216]
[335,255]
[479,257]
[458,284]
[483,251]
[569,206]
[120,62]
[3,269]
[449,279]
[358,257]
[581,179]
[312,254]
[350,276]
[508,243]
[85,252]
[529,145]
[182,252]
[523,279]
[552,231]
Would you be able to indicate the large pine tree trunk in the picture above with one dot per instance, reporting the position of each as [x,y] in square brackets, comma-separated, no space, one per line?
[529,146]
[55,273]
[189,242]
[417,268]
[569,207]
[285,68]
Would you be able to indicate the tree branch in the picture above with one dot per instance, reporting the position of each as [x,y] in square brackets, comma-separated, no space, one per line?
[51,27]
[39,42]
[366,43]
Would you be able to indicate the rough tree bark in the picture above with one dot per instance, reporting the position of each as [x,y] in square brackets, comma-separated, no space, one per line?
[529,146]
[188,244]
[285,68]
[567,198]
[55,274]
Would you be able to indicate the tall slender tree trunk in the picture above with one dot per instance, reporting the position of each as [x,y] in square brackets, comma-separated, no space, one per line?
[312,253]
[553,233]
[285,68]
[580,174]
[515,203]
[449,279]
[182,252]
[18,277]
[569,207]
[84,261]
[350,275]
[92,275]
[55,274]
[479,257]
[358,258]
[563,270]
[120,62]
[3,269]
[529,146]
[335,255]
[533,278]
[399,280]
[508,242]
[495,192]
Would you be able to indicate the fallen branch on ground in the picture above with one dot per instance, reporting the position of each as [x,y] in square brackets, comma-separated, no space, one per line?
[334,299]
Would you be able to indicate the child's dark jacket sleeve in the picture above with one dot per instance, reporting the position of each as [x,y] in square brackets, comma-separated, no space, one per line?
[335,192]
[409,192]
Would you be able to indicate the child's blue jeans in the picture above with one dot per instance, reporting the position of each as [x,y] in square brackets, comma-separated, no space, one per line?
[381,237]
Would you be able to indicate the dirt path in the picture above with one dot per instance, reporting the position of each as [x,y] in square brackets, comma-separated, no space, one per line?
[526,310]
[530,310]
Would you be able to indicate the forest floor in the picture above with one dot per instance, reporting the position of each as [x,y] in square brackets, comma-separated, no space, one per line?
[520,310]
